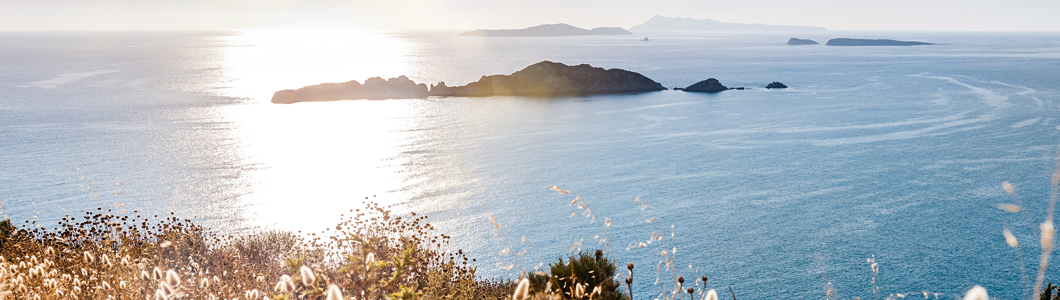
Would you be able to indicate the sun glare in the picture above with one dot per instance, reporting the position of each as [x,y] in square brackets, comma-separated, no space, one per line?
[257,63]
[313,161]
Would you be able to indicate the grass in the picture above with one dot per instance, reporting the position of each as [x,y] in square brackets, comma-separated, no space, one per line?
[369,255]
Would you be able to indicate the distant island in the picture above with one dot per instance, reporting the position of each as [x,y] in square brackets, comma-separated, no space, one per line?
[553,79]
[660,23]
[870,42]
[560,29]
[776,85]
[374,88]
[543,79]
[795,41]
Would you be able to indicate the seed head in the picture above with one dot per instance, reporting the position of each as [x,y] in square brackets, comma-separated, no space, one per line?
[522,290]
[307,276]
[1009,207]
[1008,187]
[144,276]
[629,280]
[289,284]
[1047,235]
[704,279]
[680,280]
[691,291]
[172,278]
[334,293]
[629,266]
[160,295]
[712,295]
[1010,239]
[156,274]
[976,293]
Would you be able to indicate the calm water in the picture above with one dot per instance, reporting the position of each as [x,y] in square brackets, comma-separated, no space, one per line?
[892,152]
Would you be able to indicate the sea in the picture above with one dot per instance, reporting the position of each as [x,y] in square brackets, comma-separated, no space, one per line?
[893,156]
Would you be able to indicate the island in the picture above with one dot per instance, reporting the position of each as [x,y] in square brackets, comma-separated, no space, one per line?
[546,79]
[871,42]
[710,85]
[661,23]
[560,29]
[776,85]
[543,79]
[796,41]
[374,88]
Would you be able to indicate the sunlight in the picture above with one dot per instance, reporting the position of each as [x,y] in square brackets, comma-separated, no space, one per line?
[257,63]
[313,161]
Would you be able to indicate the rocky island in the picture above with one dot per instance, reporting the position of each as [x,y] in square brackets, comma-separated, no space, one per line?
[871,42]
[796,41]
[374,88]
[553,79]
[776,85]
[710,85]
[543,79]
[560,29]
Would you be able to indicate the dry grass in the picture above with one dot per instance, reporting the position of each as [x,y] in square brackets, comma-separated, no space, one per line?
[369,255]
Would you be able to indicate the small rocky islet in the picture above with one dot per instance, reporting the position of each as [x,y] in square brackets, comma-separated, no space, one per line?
[543,79]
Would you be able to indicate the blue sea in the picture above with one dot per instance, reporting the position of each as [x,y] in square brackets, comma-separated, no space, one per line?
[896,154]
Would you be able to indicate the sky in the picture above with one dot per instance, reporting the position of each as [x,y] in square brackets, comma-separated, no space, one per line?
[945,15]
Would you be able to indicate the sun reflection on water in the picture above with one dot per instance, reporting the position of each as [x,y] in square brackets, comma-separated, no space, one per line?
[314,161]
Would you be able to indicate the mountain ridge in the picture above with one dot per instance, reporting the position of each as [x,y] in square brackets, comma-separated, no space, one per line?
[661,23]
[560,29]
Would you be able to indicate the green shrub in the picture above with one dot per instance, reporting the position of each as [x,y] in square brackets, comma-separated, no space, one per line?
[579,277]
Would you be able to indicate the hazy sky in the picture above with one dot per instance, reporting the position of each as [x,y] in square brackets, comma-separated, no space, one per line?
[993,15]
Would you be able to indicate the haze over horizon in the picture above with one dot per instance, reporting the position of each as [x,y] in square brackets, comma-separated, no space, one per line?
[943,15]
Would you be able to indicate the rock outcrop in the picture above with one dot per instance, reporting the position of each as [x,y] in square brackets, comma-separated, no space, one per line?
[560,29]
[870,42]
[776,85]
[553,79]
[796,41]
[710,85]
[374,88]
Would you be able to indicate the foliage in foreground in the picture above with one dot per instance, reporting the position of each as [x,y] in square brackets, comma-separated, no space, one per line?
[584,275]
[370,255]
